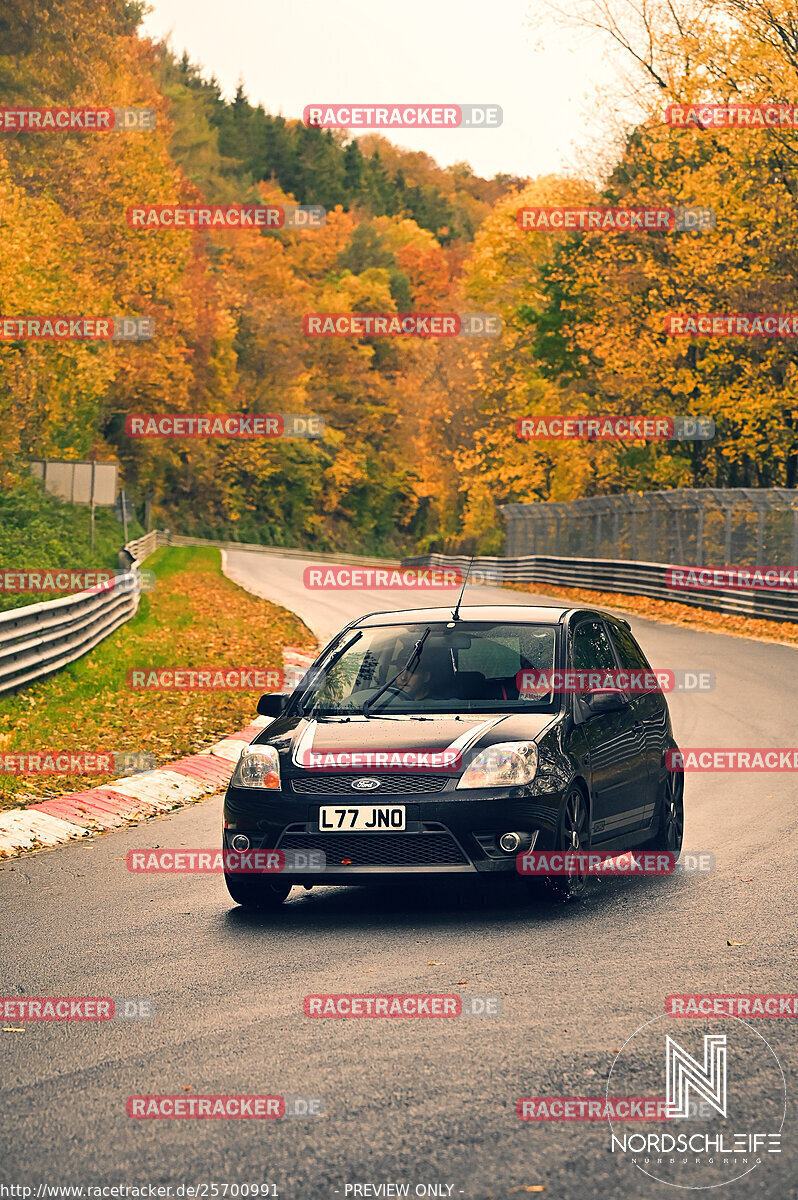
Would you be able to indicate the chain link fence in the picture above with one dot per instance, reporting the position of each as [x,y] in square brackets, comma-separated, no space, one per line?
[710,527]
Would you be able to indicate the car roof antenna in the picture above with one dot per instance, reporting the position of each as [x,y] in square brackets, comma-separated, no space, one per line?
[456,611]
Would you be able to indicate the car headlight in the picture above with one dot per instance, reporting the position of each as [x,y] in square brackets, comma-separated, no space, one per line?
[258,767]
[506,764]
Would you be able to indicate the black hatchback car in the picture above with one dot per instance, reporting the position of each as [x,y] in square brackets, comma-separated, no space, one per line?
[414,747]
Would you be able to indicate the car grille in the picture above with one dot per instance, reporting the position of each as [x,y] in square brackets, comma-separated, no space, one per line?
[380,849]
[390,785]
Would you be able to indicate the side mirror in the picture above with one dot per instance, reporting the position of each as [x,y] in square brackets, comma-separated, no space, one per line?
[604,700]
[272,704]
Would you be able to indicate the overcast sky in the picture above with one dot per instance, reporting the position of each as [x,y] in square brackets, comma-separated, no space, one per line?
[290,53]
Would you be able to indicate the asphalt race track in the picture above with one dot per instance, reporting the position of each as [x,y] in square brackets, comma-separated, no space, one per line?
[407,1101]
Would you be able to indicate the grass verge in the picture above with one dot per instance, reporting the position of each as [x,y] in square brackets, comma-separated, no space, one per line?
[195,617]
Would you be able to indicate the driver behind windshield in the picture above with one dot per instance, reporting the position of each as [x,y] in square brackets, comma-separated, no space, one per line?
[416,683]
[432,678]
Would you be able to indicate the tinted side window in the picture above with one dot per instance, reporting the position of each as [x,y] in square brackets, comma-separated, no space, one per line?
[629,652]
[592,649]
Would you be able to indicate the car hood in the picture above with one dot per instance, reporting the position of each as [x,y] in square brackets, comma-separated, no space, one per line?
[298,738]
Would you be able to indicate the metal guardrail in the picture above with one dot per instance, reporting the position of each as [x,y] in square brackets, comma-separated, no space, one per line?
[626,578]
[38,639]
[41,638]
[144,546]
[177,539]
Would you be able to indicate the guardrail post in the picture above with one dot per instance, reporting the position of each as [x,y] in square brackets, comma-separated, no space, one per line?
[760,536]
[677,529]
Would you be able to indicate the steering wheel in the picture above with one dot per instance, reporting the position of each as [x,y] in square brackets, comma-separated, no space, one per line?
[397,691]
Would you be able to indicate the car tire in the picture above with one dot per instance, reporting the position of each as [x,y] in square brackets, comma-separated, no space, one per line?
[256,894]
[670,827]
[573,834]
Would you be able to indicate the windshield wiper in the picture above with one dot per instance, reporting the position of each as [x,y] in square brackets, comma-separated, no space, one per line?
[412,661]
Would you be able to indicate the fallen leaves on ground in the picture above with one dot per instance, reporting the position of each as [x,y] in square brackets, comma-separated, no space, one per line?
[195,618]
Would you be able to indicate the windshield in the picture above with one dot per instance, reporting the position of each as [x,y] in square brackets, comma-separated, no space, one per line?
[443,668]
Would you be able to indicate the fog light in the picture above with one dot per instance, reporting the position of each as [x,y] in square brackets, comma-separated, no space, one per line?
[510,842]
[240,842]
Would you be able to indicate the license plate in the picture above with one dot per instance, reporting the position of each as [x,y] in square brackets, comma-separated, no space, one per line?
[366,817]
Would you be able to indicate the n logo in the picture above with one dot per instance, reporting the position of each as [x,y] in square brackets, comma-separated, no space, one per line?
[683,1072]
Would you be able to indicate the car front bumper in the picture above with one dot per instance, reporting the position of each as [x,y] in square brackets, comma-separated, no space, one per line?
[449,832]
